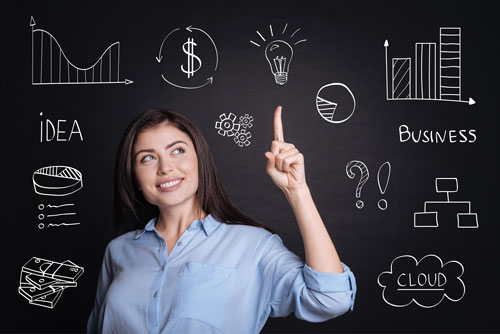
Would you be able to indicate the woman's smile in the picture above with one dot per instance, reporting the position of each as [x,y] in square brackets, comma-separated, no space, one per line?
[166,167]
[170,184]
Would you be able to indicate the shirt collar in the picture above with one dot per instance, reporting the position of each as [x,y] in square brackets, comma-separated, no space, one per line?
[208,224]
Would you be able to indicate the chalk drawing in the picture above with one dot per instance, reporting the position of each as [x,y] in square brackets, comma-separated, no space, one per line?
[461,210]
[383,176]
[57,130]
[62,224]
[228,127]
[278,53]
[242,138]
[434,79]
[335,102]
[451,136]
[192,41]
[42,216]
[57,180]
[246,121]
[363,178]
[56,69]
[426,282]
[42,281]
[42,206]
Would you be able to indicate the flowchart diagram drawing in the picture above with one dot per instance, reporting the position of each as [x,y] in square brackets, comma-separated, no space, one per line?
[446,211]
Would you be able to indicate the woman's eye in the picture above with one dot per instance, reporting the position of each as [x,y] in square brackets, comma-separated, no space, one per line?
[178,150]
[147,158]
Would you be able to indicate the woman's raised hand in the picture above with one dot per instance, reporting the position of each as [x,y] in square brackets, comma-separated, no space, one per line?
[285,164]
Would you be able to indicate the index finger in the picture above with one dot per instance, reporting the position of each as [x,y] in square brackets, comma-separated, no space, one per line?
[278,127]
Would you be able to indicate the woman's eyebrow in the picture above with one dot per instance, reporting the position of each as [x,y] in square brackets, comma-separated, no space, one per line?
[150,150]
[176,142]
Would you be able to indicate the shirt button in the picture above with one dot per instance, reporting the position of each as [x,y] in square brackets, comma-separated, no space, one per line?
[179,243]
[155,294]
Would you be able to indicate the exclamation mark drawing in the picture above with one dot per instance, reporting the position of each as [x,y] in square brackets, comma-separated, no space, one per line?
[383,176]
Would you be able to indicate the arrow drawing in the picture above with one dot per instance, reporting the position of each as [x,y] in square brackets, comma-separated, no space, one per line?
[208,82]
[189,51]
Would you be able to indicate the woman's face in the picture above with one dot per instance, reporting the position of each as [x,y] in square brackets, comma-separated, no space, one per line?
[166,167]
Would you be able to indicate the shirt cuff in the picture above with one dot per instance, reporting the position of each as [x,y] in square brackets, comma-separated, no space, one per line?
[331,282]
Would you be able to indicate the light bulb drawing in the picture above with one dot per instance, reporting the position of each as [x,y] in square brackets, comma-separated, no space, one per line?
[279,54]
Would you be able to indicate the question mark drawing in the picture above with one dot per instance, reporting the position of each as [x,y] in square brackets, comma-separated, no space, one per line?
[364,177]
[384,172]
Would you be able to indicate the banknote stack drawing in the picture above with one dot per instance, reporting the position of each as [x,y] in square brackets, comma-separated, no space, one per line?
[42,282]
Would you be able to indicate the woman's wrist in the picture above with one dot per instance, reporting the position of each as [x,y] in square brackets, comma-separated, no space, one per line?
[295,196]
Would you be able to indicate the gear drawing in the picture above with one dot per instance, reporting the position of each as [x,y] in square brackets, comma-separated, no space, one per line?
[227,126]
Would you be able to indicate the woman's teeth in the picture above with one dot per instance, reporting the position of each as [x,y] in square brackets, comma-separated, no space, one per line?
[169,184]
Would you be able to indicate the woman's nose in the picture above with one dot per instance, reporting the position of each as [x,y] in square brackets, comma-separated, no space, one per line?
[164,166]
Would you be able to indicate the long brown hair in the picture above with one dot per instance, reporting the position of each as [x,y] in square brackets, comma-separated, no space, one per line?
[132,210]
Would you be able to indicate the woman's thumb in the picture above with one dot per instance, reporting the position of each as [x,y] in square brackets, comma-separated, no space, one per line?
[270,161]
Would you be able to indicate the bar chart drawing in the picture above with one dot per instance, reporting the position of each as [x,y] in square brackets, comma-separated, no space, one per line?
[437,75]
[51,66]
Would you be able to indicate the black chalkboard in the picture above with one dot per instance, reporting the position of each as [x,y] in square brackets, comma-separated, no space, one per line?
[397,77]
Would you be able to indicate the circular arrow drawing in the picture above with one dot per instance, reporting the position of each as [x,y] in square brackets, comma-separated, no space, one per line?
[192,48]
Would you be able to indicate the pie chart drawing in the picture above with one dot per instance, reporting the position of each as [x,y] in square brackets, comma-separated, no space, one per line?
[57,180]
[335,102]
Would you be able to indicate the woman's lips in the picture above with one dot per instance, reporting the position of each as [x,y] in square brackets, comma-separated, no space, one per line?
[169,186]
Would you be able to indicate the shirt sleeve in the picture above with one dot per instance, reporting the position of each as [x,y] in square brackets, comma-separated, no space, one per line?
[105,279]
[290,285]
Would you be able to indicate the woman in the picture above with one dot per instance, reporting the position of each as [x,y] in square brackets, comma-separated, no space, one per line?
[201,266]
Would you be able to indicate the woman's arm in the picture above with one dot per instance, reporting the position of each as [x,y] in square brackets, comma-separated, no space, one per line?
[285,166]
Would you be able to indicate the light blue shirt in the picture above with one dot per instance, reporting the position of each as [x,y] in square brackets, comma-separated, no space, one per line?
[218,278]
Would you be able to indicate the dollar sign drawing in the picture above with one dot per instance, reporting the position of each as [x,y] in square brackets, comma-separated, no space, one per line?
[188,49]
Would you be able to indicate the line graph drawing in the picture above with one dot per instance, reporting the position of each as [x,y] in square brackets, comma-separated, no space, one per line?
[51,66]
[433,79]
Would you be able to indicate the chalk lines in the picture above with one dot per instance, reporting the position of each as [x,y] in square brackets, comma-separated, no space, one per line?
[436,211]
[42,281]
[56,69]
[228,127]
[56,182]
[279,53]
[434,79]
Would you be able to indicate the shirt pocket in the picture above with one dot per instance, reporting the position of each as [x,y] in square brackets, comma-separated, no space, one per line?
[202,292]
